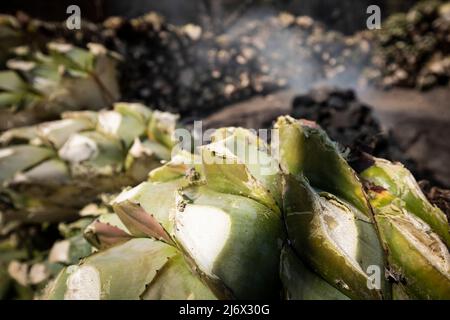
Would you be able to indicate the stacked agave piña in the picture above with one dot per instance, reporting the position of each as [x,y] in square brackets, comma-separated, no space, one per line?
[27,264]
[38,87]
[49,171]
[239,220]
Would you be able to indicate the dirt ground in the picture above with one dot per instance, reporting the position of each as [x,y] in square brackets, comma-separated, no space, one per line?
[421,123]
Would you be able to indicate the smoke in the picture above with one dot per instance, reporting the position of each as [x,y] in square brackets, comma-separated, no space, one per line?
[298,52]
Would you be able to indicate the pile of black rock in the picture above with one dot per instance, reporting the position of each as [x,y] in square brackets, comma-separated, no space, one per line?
[194,72]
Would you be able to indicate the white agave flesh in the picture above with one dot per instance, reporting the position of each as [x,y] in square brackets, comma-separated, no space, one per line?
[4,153]
[166,119]
[124,127]
[57,132]
[226,236]
[349,231]
[109,122]
[149,148]
[203,231]
[333,238]
[84,283]
[38,273]
[340,226]
[426,242]
[162,127]
[78,148]
[60,252]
